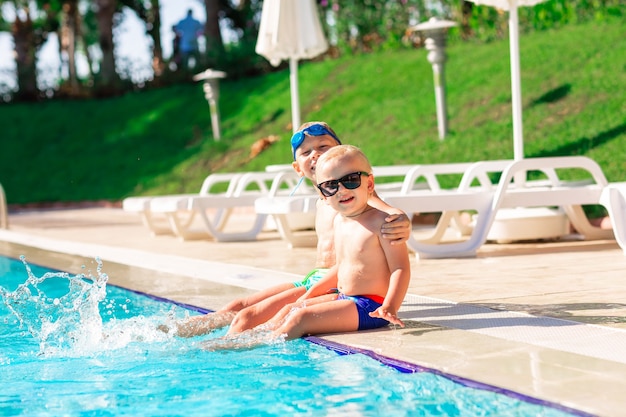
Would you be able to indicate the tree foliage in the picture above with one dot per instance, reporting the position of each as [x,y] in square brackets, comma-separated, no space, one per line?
[352,27]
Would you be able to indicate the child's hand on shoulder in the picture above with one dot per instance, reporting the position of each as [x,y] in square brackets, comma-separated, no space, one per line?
[397,228]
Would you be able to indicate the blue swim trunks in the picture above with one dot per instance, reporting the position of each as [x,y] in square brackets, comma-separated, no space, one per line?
[312,278]
[365,305]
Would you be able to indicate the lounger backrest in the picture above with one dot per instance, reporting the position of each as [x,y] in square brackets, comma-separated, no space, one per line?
[549,166]
[264,182]
[480,172]
[286,182]
[579,191]
[220,178]
[431,173]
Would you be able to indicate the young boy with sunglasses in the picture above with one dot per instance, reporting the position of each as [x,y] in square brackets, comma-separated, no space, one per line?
[311,141]
[370,278]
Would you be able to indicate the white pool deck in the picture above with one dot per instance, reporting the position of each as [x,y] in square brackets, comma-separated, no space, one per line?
[546,320]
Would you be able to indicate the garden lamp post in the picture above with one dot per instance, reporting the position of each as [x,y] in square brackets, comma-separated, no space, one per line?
[435,31]
[211,88]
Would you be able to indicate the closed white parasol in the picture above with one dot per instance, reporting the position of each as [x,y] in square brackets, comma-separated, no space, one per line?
[290,30]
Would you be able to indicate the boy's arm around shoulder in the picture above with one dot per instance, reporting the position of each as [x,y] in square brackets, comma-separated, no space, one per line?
[397,225]
[400,269]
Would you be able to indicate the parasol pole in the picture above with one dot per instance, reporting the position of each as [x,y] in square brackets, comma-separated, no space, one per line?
[295,96]
[516,88]
[516,91]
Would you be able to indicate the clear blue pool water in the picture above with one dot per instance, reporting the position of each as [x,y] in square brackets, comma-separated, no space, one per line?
[75,346]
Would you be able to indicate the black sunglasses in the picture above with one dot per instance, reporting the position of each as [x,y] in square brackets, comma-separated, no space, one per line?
[350,181]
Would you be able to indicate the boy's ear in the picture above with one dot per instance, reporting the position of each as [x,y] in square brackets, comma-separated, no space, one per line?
[296,167]
[370,183]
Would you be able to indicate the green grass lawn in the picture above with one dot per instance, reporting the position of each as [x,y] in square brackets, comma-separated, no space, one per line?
[160,141]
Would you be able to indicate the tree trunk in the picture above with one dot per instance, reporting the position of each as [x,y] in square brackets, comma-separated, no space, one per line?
[154,31]
[466,14]
[80,38]
[212,33]
[25,57]
[109,80]
[69,33]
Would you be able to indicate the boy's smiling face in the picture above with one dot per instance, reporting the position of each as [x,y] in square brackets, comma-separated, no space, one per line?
[347,201]
[308,153]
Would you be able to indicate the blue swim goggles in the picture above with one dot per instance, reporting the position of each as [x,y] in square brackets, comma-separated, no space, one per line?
[313,130]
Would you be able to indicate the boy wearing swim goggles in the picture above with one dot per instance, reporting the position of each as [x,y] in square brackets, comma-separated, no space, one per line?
[311,141]
[370,277]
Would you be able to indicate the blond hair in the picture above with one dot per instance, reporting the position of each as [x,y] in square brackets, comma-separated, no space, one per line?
[345,151]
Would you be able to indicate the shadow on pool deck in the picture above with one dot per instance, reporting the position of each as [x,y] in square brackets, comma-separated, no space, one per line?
[544,319]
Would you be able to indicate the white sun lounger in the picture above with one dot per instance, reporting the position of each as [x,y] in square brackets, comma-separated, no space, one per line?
[288,212]
[614,199]
[215,211]
[487,200]
[159,224]
[284,209]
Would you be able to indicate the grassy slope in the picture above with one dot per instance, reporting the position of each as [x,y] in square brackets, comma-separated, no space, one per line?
[155,142]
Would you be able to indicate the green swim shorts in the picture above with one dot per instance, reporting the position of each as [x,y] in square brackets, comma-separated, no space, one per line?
[312,278]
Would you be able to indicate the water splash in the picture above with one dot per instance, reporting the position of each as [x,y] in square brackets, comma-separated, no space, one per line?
[62,312]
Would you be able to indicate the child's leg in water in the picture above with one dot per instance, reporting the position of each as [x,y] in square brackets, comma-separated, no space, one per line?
[263,311]
[200,325]
[269,332]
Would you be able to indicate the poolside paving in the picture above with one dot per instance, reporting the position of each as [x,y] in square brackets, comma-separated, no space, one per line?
[545,319]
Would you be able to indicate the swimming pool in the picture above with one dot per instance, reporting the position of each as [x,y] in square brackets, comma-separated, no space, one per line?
[77,346]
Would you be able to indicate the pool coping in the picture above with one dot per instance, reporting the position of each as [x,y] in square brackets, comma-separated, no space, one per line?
[378,342]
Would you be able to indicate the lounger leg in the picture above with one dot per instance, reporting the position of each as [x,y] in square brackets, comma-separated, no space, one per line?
[579,221]
[463,249]
[306,240]
[152,224]
[221,218]
[214,230]
[445,222]
[614,199]
[181,228]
